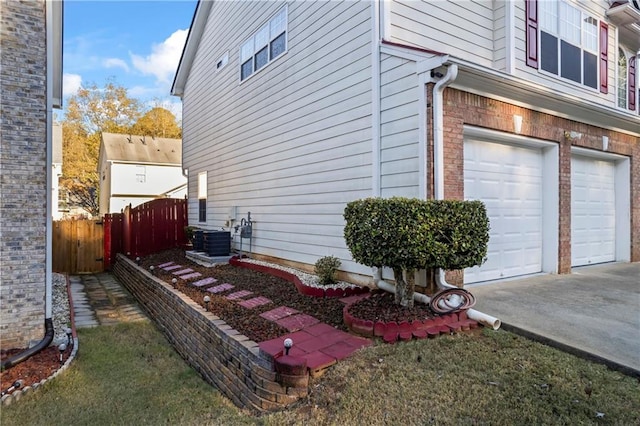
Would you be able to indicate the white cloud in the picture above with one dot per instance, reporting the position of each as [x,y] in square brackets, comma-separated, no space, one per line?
[71,83]
[115,63]
[163,60]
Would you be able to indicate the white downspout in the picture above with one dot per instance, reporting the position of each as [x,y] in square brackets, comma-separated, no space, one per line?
[438,145]
[438,167]
[438,148]
[480,317]
[375,100]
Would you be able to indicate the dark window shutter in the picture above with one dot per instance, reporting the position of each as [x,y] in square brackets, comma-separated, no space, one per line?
[604,65]
[531,36]
[632,84]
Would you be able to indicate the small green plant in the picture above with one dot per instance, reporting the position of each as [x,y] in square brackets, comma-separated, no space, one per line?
[188,232]
[326,268]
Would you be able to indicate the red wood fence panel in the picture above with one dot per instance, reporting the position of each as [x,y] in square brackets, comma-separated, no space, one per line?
[148,228]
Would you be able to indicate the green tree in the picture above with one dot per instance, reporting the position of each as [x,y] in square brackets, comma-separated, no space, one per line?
[90,112]
[157,122]
[410,234]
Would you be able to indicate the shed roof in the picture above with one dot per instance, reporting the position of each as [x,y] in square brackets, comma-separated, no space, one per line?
[141,149]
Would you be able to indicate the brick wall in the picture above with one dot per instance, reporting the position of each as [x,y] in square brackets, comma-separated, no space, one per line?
[223,357]
[466,108]
[23,176]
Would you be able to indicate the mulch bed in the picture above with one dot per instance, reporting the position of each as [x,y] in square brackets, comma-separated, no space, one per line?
[34,369]
[379,306]
[246,321]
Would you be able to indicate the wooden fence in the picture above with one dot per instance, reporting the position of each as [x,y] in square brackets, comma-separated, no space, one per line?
[78,246]
[148,228]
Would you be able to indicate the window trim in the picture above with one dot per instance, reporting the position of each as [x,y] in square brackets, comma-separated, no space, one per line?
[271,38]
[202,196]
[619,84]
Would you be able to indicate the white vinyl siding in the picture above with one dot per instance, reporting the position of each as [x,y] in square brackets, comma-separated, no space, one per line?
[292,144]
[500,33]
[399,128]
[463,29]
[124,184]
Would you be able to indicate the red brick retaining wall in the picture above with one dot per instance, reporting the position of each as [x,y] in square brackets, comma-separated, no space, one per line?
[224,358]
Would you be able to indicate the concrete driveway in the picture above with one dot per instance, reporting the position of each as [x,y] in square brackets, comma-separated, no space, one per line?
[594,312]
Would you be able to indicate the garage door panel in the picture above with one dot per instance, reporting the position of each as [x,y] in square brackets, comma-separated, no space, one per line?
[593,224]
[508,179]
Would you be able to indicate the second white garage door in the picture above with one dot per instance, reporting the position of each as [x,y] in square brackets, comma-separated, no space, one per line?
[593,211]
[508,179]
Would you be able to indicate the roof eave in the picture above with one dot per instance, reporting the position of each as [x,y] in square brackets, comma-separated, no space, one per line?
[196,29]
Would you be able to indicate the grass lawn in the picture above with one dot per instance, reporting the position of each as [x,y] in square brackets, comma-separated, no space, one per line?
[129,374]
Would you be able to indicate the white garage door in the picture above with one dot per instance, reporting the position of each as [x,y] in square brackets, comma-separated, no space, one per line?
[509,181]
[593,211]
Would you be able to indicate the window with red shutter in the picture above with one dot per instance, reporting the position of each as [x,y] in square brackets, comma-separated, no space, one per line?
[568,43]
[632,84]
[531,36]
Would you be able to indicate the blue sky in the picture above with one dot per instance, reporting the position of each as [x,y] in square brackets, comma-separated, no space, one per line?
[138,43]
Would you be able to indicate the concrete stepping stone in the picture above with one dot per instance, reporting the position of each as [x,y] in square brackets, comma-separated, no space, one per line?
[255,302]
[278,313]
[206,281]
[191,276]
[183,271]
[238,295]
[164,265]
[172,267]
[220,288]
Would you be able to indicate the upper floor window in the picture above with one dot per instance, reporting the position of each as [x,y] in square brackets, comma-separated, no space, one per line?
[622,79]
[568,42]
[265,45]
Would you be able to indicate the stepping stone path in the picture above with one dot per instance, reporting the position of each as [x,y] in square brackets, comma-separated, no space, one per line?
[320,344]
